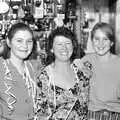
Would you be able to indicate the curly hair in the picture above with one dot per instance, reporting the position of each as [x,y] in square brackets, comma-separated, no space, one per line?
[60,31]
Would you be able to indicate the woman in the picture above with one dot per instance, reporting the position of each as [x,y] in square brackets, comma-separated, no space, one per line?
[104,99]
[17,87]
[62,88]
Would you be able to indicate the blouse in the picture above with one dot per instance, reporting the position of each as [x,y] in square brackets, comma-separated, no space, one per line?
[56,103]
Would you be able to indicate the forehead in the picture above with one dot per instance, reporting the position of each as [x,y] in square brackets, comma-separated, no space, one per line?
[61,39]
[22,34]
[100,32]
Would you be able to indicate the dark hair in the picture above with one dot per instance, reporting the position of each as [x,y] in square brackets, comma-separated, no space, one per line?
[60,31]
[12,31]
[108,30]
[16,27]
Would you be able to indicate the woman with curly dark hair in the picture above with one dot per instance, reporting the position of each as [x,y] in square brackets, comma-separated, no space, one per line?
[62,88]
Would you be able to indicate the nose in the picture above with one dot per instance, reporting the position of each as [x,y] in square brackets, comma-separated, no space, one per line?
[25,45]
[64,46]
[101,42]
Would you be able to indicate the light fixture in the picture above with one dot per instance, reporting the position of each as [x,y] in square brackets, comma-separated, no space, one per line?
[4,7]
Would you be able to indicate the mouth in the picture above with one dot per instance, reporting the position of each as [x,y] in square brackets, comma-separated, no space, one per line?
[100,48]
[25,51]
[64,53]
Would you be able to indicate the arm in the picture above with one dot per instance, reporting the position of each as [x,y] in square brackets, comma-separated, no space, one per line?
[84,74]
[3,99]
[82,90]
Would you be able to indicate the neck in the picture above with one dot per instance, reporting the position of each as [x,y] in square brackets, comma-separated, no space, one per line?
[18,63]
[62,66]
[105,57]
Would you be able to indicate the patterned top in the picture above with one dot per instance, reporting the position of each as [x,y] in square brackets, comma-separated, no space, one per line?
[17,92]
[56,103]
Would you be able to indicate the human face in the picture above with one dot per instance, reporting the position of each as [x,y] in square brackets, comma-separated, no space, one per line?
[62,48]
[101,43]
[21,44]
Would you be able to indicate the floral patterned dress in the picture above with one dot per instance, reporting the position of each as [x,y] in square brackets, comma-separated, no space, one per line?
[56,103]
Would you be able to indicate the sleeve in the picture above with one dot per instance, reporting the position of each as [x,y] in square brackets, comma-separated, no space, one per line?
[42,96]
[82,90]
[79,62]
[84,74]
[84,87]
[3,103]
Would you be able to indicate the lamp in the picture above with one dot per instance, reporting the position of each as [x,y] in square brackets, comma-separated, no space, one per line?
[4,7]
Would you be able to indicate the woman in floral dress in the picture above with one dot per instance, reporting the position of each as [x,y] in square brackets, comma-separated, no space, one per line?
[62,92]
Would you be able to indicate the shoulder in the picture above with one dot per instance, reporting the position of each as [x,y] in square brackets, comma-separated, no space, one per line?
[89,57]
[116,60]
[117,57]
[45,75]
[1,60]
[83,75]
[3,63]
[86,61]
[47,71]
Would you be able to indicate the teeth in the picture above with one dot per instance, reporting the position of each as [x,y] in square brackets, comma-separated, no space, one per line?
[100,48]
[63,53]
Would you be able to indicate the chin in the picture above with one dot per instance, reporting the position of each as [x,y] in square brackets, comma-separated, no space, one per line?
[23,57]
[102,54]
[65,60]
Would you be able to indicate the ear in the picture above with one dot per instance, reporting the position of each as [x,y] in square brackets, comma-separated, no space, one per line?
[8,43]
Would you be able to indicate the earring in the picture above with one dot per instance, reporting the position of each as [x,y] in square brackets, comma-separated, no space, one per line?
[111,44]
[51,50]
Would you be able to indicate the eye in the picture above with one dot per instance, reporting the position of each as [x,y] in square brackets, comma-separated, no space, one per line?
[59,44]
[19,40]
[68,43]
[105,39]
[96,39]
[30,41]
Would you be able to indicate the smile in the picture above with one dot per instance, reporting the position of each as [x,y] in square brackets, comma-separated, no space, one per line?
[23,50]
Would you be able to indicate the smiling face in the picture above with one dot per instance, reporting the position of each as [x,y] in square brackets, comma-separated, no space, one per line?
[21,44]
[101,43]
[62,48]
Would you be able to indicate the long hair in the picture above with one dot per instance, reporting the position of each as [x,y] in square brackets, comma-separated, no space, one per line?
[108,31]
[10,34]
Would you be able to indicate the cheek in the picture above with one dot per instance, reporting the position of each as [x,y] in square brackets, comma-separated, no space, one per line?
[71,50]
[108,44]
[94,44]
[56,48]
[14,47]
[30,47]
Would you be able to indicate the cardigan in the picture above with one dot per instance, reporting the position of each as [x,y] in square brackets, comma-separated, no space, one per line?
[17,92]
